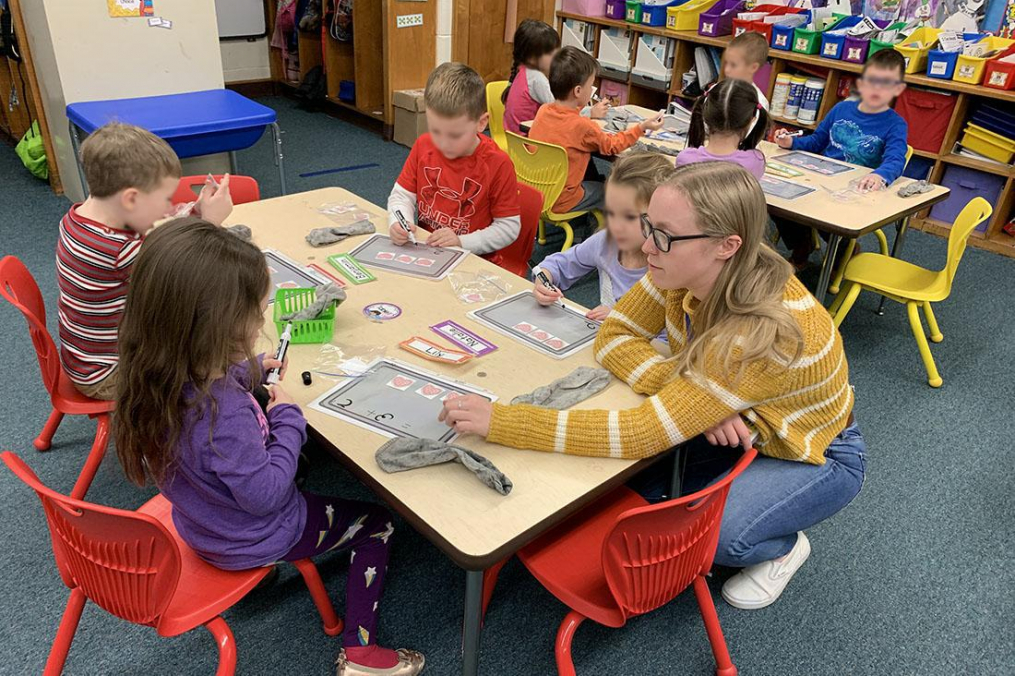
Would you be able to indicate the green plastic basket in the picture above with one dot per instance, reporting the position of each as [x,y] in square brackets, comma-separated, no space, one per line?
[633,14]
[809,41]
[878,45]
[305,330]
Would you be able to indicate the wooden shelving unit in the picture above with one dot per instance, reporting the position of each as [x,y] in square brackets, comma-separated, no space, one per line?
[994,239]
[380,59]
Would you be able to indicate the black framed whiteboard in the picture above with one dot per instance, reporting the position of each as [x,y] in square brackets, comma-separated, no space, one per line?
[241,18]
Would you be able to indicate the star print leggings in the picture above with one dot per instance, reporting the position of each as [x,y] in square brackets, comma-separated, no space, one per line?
[364,530]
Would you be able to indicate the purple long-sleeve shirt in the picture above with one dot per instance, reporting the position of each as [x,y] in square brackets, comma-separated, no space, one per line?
[233,496]
[598,252]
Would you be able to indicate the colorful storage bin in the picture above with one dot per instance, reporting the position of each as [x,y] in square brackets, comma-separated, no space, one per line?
[685,17]
[855,49]
[782,36]
[877,45]
[970,69]
[744,25]
[718,19]
[633,12]
[807,41]
[832,46]
[965,184]
[916,56]
[584,7]
[655,15]
[987,143]
[999,75]
[941,65]
[761,26]
[305,330]
[996,117]
[616,9]
[927,114]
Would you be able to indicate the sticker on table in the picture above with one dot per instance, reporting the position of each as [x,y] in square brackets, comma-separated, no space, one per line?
[421,347]
[787,190]
[815,163]
[381,312]
[415,260]
[463,338]
[512,315]
[288,274]
[351,269]
[393,399]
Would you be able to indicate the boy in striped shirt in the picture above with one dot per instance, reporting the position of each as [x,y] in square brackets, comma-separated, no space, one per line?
[132,175]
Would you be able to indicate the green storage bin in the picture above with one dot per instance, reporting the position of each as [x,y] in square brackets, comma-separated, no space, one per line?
[633,14]
[317,330]
[877,45]
[809,41]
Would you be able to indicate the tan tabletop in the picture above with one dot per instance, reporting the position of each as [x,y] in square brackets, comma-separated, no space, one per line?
[474,525]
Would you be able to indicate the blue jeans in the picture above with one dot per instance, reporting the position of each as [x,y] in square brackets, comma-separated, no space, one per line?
[593,197]
[772,499]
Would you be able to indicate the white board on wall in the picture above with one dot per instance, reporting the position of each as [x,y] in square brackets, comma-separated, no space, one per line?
[241,18]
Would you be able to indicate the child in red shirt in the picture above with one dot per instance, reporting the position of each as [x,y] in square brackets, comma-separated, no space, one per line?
[456,183]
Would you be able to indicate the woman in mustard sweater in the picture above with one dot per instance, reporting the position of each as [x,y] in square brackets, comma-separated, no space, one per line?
[750,342]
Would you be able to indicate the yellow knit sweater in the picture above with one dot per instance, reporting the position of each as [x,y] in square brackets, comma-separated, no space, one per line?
[797,410]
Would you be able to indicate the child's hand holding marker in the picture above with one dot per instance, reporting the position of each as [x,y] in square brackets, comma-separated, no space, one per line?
[653,124]
[784,137]
[545,291]
[215,202]
[404,233]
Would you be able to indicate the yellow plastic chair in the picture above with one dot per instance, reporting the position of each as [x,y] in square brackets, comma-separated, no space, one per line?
[910,284]
[882,241]
[494,105]
[544,167]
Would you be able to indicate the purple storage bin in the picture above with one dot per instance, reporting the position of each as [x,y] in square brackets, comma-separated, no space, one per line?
[965,184]
[584,7]
[616,10]
[718,19]
[855,49]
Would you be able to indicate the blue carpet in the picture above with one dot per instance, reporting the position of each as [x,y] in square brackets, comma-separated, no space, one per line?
[913,578]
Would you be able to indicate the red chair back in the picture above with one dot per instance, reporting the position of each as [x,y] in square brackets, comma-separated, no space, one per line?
[125,562]
[243,189]
[19,288]
[515,257]
[653,553]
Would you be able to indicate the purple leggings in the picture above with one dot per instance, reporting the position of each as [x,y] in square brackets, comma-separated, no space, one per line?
[363,529]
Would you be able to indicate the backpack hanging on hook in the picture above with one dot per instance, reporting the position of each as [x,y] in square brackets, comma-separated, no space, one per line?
[8,40]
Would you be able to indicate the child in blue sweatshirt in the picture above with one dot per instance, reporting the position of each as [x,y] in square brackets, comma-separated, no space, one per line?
[866,132]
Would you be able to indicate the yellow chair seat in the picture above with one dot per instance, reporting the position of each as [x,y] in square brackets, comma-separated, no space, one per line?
[896,277]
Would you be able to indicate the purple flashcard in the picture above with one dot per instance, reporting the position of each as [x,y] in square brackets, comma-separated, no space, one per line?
[462,337]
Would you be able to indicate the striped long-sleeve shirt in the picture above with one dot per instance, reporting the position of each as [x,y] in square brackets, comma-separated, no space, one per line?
[92,265]
[797,410]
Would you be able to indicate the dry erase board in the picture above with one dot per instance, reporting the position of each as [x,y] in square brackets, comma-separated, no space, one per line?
[241,18]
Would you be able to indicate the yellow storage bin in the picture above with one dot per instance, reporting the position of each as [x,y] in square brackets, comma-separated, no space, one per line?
[685,17]
[987,143]
[970,69]
[916,57]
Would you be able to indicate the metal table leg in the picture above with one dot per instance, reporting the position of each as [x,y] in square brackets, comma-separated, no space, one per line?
[75,144]
[276,135]
[826,267]
[900,236]
[677,477]
[472,622]
[232,163]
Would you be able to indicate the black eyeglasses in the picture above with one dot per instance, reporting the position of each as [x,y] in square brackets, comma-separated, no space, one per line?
[662,240]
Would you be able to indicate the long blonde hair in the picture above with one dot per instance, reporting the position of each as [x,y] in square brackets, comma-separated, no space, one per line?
[743,319]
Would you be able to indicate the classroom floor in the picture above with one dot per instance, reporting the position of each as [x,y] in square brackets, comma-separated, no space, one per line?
[915,577]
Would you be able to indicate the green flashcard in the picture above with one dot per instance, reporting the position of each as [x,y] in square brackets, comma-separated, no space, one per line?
[351,269]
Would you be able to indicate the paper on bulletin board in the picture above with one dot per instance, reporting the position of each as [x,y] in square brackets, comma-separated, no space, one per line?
[122,8]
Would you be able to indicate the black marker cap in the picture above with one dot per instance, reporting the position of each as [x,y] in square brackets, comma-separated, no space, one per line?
[306,378]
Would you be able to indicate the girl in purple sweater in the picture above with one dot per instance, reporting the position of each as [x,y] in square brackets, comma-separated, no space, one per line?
[615,251]
[187,420]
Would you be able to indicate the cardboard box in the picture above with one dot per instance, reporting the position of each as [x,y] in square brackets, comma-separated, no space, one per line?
[410,116]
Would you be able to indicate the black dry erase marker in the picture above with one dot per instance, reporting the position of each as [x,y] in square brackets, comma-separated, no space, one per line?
[548,284]
[405,226]
[283,347]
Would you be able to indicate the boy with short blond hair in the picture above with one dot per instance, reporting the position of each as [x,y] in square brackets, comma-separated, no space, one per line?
[571,76]
[744,56]
[456,183]
[131,175]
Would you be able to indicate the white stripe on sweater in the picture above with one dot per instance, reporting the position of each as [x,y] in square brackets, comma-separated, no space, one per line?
[561,433]
[645,284]
[673,433]
[624,319]
[613,434]
[610,346]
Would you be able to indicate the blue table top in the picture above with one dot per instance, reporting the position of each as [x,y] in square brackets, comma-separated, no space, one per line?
[174,115]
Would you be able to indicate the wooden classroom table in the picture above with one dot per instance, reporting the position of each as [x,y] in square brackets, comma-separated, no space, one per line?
[858,216]
[472,524]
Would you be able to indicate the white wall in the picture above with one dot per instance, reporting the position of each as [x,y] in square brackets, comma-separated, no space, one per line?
[82,54]
[243,60]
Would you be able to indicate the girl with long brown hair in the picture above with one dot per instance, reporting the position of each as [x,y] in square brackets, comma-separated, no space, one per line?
[748,340]
[186,419]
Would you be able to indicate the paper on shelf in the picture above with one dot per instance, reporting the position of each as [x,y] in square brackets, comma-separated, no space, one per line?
[865,27]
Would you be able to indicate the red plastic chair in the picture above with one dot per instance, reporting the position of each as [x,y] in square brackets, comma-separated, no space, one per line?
[625,558]
[135,566]
[19,288]
[242,188]
[515,257]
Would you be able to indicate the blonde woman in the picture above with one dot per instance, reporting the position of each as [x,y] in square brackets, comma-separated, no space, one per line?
[749,341]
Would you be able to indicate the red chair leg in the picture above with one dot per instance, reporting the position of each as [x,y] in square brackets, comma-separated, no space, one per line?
[565,634]
[226,645]
[489,583]
[94,458]
[45,438]
[65,634]
[332,625]
[723,663]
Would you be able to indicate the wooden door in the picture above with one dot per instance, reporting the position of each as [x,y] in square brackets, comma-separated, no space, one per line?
[478,33]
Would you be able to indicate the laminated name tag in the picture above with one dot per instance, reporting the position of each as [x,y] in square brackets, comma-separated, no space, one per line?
[421,347]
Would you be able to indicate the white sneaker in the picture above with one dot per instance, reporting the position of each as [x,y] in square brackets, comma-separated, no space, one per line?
[760,585]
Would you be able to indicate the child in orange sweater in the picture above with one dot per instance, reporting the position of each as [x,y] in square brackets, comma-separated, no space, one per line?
[571,76]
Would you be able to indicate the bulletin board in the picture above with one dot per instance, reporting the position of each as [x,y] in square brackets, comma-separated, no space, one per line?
[241,18]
